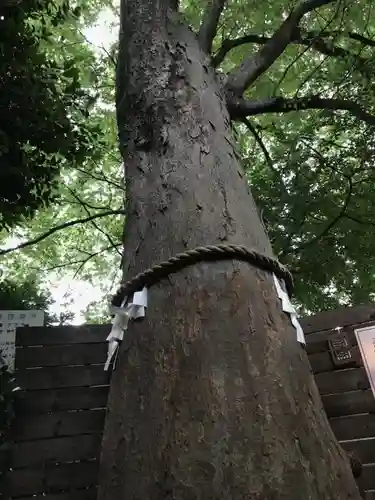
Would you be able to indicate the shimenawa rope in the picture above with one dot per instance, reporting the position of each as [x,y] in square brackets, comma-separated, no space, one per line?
[207,253]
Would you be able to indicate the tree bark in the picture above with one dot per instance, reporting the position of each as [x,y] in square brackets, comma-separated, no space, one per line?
[212,396]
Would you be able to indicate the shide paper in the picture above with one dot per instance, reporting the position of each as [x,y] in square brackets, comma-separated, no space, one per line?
[288,307]
[133,309]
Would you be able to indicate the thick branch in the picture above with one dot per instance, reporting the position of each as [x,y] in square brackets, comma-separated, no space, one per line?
[229,45]
[242,108]
[312,40]
[209,24]
[246,74]
[350,34]
[362,39]
[60,227]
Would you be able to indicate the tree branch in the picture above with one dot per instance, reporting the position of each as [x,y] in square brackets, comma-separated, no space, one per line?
[359,221]
[60,227]
[229,45]
[241,108]
[350,34]
[359,38]
[69,201]
[268,158]
[332,223]
[260,142]
[85,261]
[101,178]
[79,261]
[94,224]
[207,31]
[250,69]
[312,40]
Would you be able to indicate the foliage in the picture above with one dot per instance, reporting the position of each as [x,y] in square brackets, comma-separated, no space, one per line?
[314,184]
[26,295]
[310,170]
[29,294]
[45,100]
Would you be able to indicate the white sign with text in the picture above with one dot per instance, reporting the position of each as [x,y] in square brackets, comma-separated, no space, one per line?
[366,342]
[9,321]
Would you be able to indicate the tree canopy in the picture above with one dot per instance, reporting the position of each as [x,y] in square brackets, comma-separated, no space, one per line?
[29,294]
[19,296]
[46,94]
[304,130]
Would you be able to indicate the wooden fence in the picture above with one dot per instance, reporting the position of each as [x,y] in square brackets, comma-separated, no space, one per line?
[61,408]
[59,413]
[346,394]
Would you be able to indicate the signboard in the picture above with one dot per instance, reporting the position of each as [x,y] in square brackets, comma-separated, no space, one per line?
[366,342]
[9,321]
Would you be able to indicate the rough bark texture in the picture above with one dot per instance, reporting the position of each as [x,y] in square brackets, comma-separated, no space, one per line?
[212,396]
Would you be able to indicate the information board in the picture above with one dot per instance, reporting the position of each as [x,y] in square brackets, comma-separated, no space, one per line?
[366,343]
[9,321]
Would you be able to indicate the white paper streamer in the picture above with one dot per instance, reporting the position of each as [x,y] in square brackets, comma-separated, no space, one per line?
[288,307]
[133,309]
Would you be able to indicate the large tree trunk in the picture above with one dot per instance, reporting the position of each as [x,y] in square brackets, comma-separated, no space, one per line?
[212,396]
